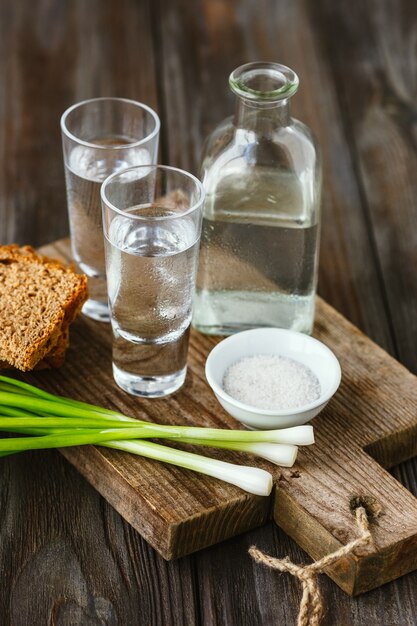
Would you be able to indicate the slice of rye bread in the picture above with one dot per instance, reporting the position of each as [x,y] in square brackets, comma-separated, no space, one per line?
[56,356]
[39,298]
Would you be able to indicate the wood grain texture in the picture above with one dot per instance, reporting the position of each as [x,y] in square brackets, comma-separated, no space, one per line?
[107,574]
[377,92]
[178,512]
[65,52]
[365,414]
[201,43]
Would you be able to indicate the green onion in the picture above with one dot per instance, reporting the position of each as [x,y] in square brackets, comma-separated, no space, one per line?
[47,403]
[278,453]
[20,421]
[251,479]
[299,435]
[8,410]
[56,422]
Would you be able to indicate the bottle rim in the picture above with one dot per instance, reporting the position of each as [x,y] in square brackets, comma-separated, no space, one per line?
[264,81]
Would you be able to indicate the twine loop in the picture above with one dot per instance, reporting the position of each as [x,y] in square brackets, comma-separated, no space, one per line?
[311,605]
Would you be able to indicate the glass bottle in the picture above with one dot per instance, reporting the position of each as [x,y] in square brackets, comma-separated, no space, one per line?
[262,175]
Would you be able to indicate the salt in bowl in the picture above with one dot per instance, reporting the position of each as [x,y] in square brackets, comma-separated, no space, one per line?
[273,341]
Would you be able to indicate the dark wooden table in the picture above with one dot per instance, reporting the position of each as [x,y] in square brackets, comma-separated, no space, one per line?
[66,557]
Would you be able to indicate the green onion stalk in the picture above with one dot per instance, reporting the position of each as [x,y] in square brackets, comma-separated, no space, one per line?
[54,421]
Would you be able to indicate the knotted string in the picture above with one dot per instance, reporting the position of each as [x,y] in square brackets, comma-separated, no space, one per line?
[312,606]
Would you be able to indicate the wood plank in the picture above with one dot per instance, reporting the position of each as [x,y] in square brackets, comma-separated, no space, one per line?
[66,556]
[33,506]
[200,44]
[50,59]
[374,71]
[178,512]
[222,35]
[210,39]
[364,414]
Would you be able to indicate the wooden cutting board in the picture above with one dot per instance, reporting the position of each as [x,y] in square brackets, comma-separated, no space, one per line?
[370,424]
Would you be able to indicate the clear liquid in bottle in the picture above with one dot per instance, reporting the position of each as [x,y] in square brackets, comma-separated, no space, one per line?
[259,244]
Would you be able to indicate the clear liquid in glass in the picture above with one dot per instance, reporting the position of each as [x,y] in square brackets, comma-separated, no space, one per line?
[84,174]
[151,269]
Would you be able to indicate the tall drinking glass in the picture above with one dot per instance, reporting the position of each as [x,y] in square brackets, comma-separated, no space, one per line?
[99,137]
[152,222]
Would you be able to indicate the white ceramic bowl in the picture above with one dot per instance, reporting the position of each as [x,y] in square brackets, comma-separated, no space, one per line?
[297,346]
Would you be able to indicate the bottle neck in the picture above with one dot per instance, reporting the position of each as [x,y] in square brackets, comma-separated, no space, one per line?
[262,117]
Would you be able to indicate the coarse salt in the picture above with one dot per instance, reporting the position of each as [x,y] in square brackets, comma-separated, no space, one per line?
[269,381]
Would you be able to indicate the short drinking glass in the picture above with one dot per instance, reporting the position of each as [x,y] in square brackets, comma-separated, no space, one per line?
[152,222]
[99,137]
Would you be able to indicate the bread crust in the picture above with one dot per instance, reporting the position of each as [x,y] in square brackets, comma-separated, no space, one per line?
[65,290]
